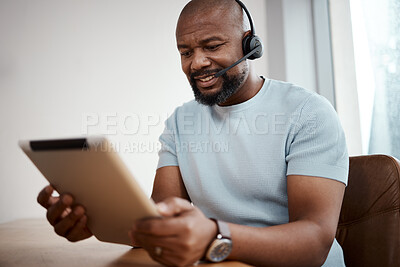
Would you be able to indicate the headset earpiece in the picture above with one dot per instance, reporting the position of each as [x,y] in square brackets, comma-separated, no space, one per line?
[251,42]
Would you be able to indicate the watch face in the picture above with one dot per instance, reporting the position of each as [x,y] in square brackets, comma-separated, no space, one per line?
[219,250]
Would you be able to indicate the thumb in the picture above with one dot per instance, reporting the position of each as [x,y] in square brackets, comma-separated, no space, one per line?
[173,206]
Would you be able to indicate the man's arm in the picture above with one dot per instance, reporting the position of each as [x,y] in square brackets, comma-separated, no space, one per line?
[168,183]
[314,207]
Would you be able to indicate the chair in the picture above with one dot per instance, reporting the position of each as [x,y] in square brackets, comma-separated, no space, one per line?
[369,223]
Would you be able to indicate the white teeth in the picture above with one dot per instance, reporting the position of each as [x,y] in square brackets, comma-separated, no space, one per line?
[207,79]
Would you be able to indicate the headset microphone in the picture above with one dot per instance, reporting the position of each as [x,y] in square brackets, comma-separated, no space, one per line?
[251,44]
[252,52]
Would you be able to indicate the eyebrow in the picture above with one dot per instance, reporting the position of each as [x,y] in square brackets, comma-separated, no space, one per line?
[202,42]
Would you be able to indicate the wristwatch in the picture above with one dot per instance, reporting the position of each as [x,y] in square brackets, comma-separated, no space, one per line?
[221,246]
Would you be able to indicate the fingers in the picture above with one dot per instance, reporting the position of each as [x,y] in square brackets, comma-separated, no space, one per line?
[168,251]
[79,231]
[45,199]
[67,223]
[183,235]
[166,256]
[173,206]
[167,225]
[170,223]
[60,209]
[149,241]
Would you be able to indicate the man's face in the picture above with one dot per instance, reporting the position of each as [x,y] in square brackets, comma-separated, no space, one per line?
[209,42]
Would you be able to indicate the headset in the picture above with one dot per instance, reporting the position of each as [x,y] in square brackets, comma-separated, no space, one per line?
[251,44]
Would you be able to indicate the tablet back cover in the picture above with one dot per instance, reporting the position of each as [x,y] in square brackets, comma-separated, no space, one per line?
[94,174]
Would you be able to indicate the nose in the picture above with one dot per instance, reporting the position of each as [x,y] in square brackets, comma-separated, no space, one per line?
[199,60]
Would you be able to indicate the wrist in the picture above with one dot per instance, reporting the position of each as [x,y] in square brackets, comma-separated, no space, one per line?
[211,234]
[214,227]
[220,246]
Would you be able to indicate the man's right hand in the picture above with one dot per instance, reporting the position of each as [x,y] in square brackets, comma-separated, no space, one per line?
[68,220]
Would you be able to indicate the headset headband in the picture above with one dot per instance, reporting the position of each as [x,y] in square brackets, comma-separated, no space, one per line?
[253,32]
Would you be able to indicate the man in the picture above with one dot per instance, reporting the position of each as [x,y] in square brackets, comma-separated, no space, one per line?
[279,185]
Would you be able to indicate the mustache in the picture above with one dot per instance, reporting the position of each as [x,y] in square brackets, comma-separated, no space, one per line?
[203,73]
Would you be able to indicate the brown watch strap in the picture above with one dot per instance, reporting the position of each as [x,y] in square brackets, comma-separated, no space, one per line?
[223,228]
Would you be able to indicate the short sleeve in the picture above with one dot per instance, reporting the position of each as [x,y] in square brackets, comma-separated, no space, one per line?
[316,145]
[167,154]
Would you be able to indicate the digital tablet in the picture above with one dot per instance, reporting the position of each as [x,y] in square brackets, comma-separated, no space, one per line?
[91,170]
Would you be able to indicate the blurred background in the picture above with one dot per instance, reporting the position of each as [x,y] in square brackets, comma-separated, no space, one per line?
[79,67]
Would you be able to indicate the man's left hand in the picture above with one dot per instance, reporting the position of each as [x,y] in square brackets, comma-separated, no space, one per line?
[179,238]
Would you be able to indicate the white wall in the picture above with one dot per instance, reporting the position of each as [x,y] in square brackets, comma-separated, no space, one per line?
[62,61]
[290,52]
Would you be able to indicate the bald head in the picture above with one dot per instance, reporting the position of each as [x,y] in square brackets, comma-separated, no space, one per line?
[229,11]
[201,6]
[209,37]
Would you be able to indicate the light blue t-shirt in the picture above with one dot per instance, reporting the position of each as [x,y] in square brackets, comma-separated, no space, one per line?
[234,160]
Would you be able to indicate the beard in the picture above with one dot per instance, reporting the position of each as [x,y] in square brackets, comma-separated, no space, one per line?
[230,85]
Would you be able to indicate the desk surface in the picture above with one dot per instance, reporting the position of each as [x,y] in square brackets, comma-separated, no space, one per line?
[32,242]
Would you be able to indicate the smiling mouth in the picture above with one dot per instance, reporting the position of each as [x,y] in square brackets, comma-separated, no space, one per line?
[206,79]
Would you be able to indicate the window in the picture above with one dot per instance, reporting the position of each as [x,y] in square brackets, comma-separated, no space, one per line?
[376,38]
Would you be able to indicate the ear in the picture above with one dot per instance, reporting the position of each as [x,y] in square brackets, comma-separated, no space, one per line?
[247,33]
[245,42]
